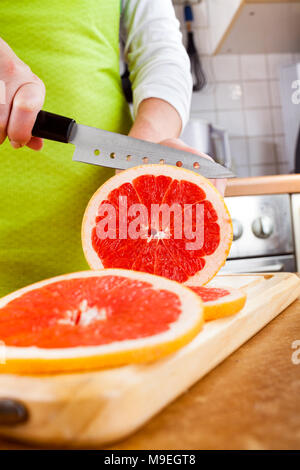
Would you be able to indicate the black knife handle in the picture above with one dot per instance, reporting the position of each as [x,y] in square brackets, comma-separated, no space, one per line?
[53,127]
[12,412]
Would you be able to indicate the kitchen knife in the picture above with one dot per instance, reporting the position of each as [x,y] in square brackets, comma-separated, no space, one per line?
[103,148]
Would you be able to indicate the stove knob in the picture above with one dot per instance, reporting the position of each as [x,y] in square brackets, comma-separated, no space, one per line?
[262,227]
[237,229]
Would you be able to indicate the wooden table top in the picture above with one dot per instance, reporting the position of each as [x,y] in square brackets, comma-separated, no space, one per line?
[250,401]
[263,185]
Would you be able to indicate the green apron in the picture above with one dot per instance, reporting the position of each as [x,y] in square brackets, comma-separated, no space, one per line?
[73,46]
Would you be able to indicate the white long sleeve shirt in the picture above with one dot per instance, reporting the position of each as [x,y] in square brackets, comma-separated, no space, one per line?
[158,63]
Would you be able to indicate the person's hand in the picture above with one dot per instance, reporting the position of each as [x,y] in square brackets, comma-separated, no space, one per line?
[24,97]
[220,184]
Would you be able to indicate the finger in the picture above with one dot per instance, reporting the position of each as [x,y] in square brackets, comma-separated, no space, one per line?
[180,145]
[3,125]
[7,92]
[220,184]
[12,71]
[27,102]
[35,143]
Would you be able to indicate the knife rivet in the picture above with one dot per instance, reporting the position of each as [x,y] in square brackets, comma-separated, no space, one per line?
[161,161]
[112,155]
[196,165]
[96,152]
[145,160]
[128,158]
[179,163]
[12,412]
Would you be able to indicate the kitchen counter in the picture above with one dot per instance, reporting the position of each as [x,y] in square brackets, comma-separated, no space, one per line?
[250,401]
[263,185]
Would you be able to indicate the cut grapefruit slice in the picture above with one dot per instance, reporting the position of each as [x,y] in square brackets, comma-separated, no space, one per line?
[220,302]
[191,245]
[91,320]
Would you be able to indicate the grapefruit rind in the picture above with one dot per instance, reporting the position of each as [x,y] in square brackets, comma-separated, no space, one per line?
[224,306]
[34,360]
[213,263]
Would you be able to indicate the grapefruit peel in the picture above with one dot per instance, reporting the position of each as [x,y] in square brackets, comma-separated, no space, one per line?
[36,360]
[219,302]
[213,262]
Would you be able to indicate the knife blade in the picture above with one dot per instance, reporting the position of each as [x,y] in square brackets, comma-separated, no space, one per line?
[109,149]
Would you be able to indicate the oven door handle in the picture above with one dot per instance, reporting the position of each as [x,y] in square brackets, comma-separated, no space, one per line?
[272,268]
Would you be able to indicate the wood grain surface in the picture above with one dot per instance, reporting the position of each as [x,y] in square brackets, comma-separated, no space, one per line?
[250,401]
[263,185]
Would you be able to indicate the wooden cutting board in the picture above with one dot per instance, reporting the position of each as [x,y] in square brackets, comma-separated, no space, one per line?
[97,408]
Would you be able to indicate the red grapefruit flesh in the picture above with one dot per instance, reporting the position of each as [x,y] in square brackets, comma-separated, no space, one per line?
[95,319]
[158,249]
[220,302]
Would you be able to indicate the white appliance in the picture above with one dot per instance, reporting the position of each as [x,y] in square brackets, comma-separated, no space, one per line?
[202,135]
[263,238]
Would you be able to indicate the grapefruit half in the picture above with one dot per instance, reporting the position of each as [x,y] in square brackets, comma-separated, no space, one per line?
[158,248]
[220,302]
[92,320]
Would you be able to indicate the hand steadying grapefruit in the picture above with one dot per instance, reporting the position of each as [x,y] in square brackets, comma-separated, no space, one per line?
[156,246]
[220,302]
[91,320]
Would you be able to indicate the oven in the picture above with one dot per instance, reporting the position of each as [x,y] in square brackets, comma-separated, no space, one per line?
[262,234]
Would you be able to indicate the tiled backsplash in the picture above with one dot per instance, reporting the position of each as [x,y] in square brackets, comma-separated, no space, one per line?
[242,95]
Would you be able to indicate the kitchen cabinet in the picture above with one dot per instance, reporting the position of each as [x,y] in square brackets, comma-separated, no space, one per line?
[262,26]
[246,26]
[212,19]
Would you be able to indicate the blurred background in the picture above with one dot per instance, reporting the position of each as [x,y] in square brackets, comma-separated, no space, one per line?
[249,58]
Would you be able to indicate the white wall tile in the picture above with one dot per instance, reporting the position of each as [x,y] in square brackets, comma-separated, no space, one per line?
[261,151]
[254,66]
[242,98]
[210,116]
[275,92]
[260,170]
[280,149]
[239,151]
[256,94]
[226,67]
[202,40]
[258,122]
[275,62]
[204,100]
[200,12]
[232,121]
[296,58]
[277,121]
[242,171]
[284,168]
[207,65]
[228,95]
